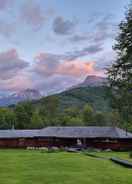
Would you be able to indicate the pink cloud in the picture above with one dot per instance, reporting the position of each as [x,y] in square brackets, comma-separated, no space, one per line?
[49,73]
[11,64]
[50,65]
[78,68]
[20,81]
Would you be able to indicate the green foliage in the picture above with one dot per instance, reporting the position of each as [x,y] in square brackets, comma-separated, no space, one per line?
[88,115]
[72,111]
[100,119]
[114,118]
[51,104]
[50,108]
[36,121]
[120,73]
[75,121]
[7,118]
[23,114]
[130,154]
[97,97]
[76,107]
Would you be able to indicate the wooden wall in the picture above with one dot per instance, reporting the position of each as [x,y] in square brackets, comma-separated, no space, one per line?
[121,144]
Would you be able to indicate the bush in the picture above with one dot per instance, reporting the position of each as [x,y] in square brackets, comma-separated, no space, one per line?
[130,154]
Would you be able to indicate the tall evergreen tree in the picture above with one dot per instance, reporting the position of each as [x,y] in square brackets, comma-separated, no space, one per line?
[120,73]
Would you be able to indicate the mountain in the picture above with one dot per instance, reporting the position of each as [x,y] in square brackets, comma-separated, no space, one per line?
[28,94]
[92,80]
[24,95]
[96,96]
[93,90]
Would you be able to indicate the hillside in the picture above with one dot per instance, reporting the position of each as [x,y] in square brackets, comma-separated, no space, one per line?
[88,105]
[95,96]
[93,90]
[77,107]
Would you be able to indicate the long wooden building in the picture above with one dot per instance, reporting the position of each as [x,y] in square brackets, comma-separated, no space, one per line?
[98,137]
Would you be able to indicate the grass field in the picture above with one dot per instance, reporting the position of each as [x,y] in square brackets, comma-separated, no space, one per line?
[35,167]
[122,155]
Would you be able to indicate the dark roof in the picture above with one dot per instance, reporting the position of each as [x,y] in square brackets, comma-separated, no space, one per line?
[68,132]
[85,132]
[18,133]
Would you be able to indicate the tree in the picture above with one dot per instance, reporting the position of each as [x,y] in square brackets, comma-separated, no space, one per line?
[113,119]
[120,73]
[36,121]
[72,111]
[7,118]
[88,115]
[24,114]
[75,121]
[51,104]
[100,119]
[50,109]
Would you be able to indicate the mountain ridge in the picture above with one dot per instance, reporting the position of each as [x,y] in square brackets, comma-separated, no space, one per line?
[92,81]
[33,94]
[21,96]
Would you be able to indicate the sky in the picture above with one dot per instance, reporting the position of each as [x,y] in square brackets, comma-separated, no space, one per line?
[51,45]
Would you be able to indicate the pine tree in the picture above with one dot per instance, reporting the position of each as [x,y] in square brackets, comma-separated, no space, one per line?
[120,73]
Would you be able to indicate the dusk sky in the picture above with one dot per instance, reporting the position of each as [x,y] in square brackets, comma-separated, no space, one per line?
[50,45]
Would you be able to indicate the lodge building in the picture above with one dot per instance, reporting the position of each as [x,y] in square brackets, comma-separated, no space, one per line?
[97,137]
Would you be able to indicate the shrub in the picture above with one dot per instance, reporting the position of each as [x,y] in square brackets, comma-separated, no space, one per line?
[130,154]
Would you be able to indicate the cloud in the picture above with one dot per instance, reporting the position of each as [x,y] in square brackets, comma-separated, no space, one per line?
[77,68]
[55,84]
[54,59]
[63,27]
[49,62]
[11,64]
[5,4]
[6,29]
[79,38]
[89,50]
[32,14]
[48,65]
[17,83]
[49,73]
[54,73]
[103,27]
[106,59]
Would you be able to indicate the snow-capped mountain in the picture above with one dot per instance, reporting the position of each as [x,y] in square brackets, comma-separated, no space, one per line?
[28,94]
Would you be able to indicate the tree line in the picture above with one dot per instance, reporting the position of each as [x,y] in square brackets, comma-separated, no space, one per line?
[28,116]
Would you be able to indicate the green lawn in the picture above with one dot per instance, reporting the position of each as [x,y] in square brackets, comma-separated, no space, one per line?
[122,155]
[35,167]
